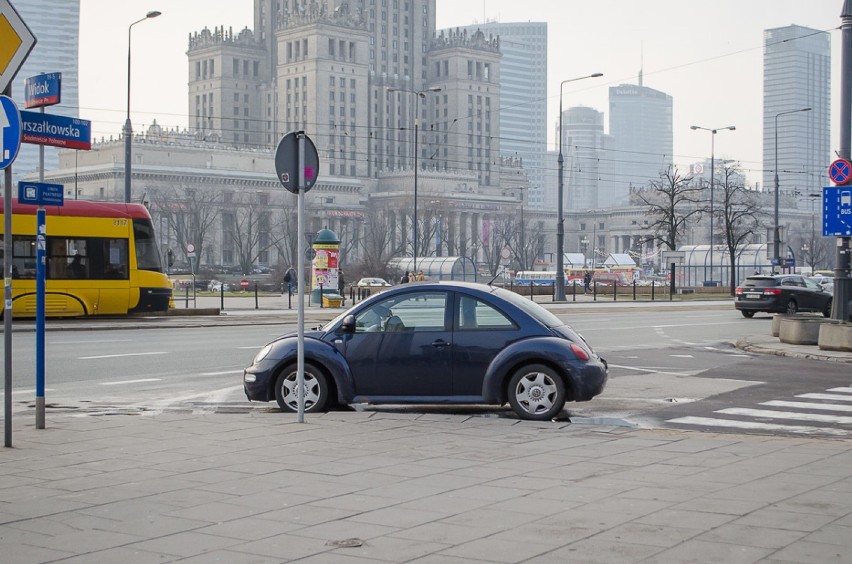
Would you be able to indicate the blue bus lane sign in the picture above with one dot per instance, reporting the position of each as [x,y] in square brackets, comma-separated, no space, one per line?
[837,211]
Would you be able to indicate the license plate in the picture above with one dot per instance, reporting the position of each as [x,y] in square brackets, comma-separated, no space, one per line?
[753,295]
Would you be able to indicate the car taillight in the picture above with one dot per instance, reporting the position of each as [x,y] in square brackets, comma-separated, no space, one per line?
[772,292]
[738,291]
[579,351]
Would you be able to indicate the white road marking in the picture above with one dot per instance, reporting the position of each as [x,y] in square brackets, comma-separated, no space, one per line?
[32,391]
[221,373]
[650,370]
[129,382]
[830,397]
[258,347]
[120,355]
[808,405]
[798,416]
[681,356]
[755,426]
[844,390]
[89,342]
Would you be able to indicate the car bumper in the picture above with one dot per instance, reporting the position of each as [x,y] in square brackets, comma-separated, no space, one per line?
[592,381]
[769,306]
[258,384]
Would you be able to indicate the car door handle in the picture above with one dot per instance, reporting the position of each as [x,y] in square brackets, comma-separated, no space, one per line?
[440,344]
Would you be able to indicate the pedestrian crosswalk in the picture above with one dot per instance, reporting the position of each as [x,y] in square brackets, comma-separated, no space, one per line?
[827,413]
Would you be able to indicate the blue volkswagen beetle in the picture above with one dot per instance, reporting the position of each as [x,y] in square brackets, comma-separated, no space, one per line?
[434,343]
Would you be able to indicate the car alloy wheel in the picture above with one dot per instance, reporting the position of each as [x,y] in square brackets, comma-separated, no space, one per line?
[536,393]
[316,389]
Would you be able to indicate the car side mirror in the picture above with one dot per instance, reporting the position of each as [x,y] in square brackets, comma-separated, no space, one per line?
[348,325]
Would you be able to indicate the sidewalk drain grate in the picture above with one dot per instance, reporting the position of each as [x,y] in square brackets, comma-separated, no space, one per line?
[346,543]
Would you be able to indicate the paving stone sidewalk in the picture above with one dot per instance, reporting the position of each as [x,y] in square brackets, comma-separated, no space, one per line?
[436,486]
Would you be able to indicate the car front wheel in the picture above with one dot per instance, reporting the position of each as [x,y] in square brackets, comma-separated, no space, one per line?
[827,311]
[536,393]
[748,314]
[316,389]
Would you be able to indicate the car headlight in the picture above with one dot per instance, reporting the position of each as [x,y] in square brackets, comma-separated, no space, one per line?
[262,353]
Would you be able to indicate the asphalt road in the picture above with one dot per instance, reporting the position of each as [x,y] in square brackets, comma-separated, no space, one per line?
[671,368]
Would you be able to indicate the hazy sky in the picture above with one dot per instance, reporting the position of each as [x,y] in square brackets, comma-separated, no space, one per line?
[707,55]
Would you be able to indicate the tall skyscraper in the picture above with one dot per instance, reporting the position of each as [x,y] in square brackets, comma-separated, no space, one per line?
[523,99]
[585,147]
[796,75]
[640,122]
[56,25]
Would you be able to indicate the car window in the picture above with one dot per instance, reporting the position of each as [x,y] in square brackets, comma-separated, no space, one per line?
[474,314]
[793,282]
[811,284]
[419,311]
[760,283]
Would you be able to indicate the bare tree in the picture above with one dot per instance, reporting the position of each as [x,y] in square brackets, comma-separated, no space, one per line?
[377,242]
[672,202]
[527,243]
[816,250]
[191,213]
[249,228]
[739,216]
[500,232]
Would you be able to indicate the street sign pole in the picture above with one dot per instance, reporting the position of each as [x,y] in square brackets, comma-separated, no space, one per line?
[300,226]
[840,308]
[7,294]
[41,246]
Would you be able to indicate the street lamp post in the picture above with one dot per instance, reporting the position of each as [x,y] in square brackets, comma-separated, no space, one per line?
[418,94]
[712,183]
[776,253]
[560,221]
[128,129]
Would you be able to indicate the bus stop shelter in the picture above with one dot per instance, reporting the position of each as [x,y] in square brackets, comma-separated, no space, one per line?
[437,268]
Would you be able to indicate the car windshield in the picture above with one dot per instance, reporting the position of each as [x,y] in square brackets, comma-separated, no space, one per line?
[530,307]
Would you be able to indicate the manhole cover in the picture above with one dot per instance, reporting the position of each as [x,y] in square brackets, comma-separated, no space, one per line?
[346,543]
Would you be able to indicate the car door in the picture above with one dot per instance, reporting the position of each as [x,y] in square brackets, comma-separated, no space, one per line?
[401,348]
[480,331]
[817,296]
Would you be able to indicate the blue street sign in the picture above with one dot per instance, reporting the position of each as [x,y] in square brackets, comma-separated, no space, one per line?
[43,90]
[840,171]
[10,131]
[837,211]
[56,131]
[41,194]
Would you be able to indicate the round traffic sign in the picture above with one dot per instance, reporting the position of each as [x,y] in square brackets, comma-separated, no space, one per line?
[287,162]
[840,172]
[190,248]
[10,131]
[244,284]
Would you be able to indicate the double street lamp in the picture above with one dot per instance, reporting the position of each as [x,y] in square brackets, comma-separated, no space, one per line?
[712,183]
[418,94]
[560,221]
[776,253]
[128,129]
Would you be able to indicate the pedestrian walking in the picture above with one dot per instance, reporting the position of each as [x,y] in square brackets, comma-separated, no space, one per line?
[405,278]
[290,280]
[587,281]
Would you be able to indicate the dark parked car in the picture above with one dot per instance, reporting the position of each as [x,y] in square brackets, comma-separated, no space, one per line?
[781,293]
[435,342]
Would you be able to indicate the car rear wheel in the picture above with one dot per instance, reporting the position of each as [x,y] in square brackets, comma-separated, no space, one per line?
[827,311]
[792,307]
[316,389]
[748,314]
[536,393]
